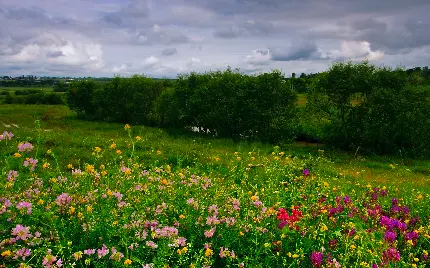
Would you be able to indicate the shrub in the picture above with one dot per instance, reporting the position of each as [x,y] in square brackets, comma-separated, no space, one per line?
[369,108]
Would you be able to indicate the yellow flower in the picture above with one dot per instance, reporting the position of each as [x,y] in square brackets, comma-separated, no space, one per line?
[97,149]
[17,155]
[69,166]
[283,236]
[115,223]
[181,217]
[80,215]
[414,265]
[409,242]
[254,198]
[71,210]
[267,245]
[49,151]
[53,180]
[46,165]
[416,260]
[352,247]
[295,256]
[326,185]
[241,233]
[90,169]
[127,126]
[113,146]
[89,209]
[138,138]
[6,253]
[158,152]
[104,173]
[208,252]
[356,237]
[40,202]
[323,228]
[127,262]
[364,264]
[420,197]
[118,152]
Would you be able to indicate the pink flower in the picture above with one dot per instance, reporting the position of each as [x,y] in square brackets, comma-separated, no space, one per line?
[6,136]
[25,147]
[103,251]
[12,175]
[30,162]
[63,199]
[21,232]
[24,205]
[209,233]
[22,253]
[151,244]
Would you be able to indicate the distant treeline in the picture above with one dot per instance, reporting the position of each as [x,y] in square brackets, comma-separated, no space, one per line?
[359,107]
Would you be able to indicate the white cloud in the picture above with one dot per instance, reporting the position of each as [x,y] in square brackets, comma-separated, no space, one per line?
[357,51]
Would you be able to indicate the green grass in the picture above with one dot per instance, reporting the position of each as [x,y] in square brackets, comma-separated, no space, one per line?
[72,138]
[140,191]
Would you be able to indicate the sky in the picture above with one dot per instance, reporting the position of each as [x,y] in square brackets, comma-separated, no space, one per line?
[164,38]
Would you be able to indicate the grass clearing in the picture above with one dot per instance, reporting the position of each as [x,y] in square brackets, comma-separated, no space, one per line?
[109,195]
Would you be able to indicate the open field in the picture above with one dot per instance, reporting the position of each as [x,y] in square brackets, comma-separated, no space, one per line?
[103,194]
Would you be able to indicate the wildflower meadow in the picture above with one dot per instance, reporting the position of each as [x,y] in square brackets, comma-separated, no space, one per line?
[261,210]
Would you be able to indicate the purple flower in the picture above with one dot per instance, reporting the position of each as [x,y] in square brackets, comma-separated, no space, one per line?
[390,236]
[317,258]
[411,235]
[306,172]
[391,254]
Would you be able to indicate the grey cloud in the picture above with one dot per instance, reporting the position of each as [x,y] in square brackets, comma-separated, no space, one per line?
[54,54]
[169,51]
[248,28]
[302,50]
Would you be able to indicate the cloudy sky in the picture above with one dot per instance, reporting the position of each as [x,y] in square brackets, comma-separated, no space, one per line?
[166,37]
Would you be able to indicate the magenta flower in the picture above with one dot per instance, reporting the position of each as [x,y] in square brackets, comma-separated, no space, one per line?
[6,204]
[306,172]
[391,254]
[390,236]
[317,258]
[21,232]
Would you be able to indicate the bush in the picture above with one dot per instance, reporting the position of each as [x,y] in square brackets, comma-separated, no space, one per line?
[369,108]
[39,98]
[230,104]
[129,100]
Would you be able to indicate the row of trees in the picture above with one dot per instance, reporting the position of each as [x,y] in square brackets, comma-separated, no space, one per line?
[352,106]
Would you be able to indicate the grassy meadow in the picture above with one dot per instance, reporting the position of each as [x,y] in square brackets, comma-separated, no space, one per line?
[95,194]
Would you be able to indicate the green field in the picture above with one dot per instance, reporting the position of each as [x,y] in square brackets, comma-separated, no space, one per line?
[98,187]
